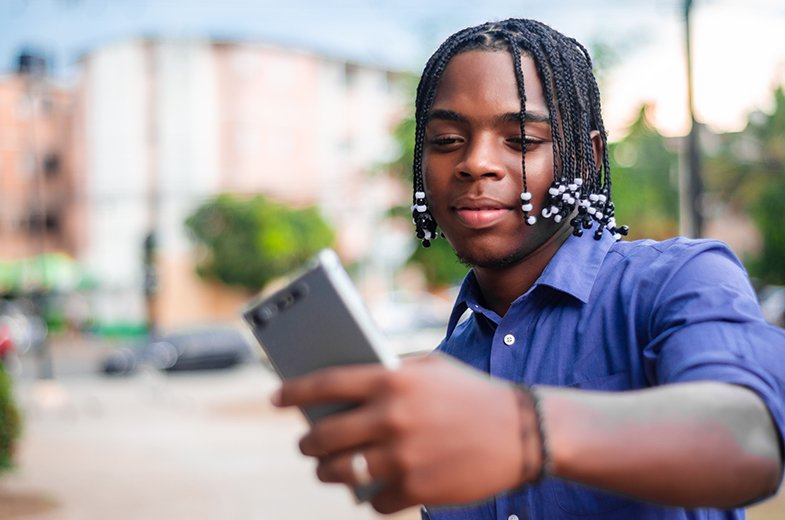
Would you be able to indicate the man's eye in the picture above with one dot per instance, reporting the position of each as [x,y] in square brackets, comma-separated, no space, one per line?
[445,140]
[519,141]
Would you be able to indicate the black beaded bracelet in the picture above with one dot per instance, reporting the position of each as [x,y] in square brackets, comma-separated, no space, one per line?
[535,403]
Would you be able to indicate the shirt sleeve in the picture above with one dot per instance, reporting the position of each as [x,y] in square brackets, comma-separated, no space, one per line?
[705,324]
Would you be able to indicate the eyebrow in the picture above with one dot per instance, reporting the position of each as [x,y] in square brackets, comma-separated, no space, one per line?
[509,117]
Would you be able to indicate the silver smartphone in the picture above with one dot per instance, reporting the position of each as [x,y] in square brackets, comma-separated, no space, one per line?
[318,320]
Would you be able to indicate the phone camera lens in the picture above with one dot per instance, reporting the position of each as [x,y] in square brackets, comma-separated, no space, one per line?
[299,290]
[263,315]
[286,301]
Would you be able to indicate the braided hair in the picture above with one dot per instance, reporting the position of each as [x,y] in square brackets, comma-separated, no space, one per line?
[573,101]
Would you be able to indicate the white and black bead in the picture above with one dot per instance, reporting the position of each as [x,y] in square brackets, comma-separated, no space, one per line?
[423,221]
[527,207]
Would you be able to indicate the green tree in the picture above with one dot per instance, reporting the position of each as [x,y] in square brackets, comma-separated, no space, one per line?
[644,174]
[247,242]
[746,170]
[769,208]
[767,213]
[10,421]
[438,263]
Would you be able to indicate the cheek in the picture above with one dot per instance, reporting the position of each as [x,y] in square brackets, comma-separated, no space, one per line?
[539,175]
[432,182]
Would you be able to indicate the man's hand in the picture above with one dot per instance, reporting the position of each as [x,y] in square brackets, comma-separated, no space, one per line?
[432,431]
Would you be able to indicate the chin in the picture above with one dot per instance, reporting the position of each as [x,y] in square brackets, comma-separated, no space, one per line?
[489,260]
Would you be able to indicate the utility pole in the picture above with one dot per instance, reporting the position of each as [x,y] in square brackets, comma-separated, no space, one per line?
[32,69]
[150,242]
[690,184]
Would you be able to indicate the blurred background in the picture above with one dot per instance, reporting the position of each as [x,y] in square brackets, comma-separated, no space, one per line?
[163,161]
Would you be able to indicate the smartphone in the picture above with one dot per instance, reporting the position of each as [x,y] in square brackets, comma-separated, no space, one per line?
[318,320]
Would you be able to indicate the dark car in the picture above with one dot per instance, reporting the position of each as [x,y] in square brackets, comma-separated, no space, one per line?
[202,348]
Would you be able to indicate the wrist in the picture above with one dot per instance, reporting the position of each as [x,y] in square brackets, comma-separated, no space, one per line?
[536,460]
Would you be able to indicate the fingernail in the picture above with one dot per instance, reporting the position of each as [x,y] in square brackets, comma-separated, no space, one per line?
[276,398]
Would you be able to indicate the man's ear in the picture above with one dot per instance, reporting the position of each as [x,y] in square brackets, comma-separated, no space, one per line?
[596,146]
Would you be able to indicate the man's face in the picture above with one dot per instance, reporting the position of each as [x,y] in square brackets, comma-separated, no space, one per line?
[472,158]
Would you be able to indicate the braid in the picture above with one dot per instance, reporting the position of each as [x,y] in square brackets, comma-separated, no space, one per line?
[573,101]
[526,196]
[426,92]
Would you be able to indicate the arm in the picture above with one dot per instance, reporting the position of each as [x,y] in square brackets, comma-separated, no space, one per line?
[690,444]
[436,432]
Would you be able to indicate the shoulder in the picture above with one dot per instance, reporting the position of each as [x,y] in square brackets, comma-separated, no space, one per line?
[670,280]
[671,250]
[691,260]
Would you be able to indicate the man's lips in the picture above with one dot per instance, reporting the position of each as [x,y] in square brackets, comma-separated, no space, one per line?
[480,213]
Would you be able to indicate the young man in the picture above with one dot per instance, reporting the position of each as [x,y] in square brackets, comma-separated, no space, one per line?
[630,380]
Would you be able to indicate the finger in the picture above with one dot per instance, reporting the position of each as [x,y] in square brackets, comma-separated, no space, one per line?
[339,467]
[353,383]
[342,431]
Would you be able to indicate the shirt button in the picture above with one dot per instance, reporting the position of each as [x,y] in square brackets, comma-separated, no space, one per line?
[512,517]
[509,340]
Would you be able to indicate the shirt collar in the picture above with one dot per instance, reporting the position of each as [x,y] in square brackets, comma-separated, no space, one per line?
[572,270]
[574,267]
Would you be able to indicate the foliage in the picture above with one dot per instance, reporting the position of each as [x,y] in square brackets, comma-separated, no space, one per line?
[10,421]
[767,212]
[439,264]
[403,134]
[249,242]
[644,174]
[748,171]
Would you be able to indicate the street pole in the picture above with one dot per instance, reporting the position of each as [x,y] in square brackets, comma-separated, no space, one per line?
[32,68]
[690,184]
[150,243]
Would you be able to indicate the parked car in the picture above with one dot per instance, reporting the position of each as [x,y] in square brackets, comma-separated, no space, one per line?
[412,323]
[26,329]
[202,348]
[772,304]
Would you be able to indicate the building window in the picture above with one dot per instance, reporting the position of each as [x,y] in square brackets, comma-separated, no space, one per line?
[27,165]
[49,223]
[350,74]
[51,165]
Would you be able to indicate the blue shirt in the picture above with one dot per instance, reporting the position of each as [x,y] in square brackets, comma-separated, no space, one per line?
[615,316]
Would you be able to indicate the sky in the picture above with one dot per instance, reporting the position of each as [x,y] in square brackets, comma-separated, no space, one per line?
[739,50]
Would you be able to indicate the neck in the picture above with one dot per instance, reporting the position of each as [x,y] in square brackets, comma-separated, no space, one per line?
[500,287]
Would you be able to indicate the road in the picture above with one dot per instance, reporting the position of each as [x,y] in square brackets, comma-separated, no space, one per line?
[191,446]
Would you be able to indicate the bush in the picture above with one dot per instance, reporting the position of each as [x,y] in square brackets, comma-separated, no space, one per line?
[10,421]
[249,242]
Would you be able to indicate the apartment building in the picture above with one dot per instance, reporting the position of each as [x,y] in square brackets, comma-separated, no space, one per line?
[39,210]
[161,125]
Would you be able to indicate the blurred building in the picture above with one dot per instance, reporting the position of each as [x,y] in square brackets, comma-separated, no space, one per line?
[38,207]
[162,125]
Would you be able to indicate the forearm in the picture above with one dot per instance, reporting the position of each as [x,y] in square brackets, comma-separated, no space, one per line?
[696,444]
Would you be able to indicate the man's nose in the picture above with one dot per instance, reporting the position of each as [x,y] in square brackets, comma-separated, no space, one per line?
[482,159]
